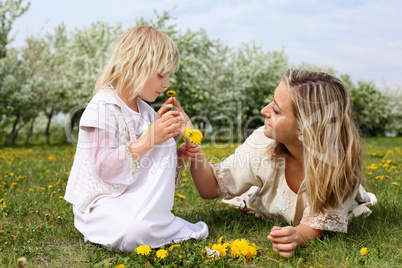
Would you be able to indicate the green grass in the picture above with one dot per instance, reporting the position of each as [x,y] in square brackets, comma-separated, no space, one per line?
[35,222]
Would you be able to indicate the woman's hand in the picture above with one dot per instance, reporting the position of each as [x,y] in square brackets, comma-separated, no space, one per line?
[193,151]
[166,127]
[284,240]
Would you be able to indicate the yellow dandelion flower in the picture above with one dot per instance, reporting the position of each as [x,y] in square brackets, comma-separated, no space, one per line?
[173,247]
[363,251]
[60,197]
[196,136]
[220,248]
[394,183]
[171,93]
[11,174]
[180,196]
[220,240]
[51,158]
[161,254]
[120,266]
[1,200]
[50,186]
[186,133]
[14,183]
[144,250]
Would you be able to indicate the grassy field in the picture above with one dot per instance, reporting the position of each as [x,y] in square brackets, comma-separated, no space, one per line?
[36,223]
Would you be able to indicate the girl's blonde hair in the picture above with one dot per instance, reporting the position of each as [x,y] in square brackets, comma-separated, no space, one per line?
[331,141]
[139,54]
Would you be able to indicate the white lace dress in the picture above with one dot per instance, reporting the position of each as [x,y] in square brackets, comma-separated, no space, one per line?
[141,215]
[259,186]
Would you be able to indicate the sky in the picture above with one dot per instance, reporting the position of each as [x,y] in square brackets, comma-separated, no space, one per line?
[362,38]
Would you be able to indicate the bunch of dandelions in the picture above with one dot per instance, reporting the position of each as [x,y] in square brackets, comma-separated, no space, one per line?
[239,248]
[193,135]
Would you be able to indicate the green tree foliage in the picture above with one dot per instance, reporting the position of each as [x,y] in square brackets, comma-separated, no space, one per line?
[370,106]
[10,10]
[221,88]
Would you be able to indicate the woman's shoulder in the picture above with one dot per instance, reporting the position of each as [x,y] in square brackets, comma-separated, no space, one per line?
[257,140]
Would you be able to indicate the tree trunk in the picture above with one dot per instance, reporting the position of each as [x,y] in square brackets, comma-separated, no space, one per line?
[30,131]
[11,135]
[47,132]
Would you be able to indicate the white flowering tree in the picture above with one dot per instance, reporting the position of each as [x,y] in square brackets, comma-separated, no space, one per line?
[261,71]
[87,51]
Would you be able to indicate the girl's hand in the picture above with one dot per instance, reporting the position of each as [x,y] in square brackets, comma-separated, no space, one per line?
[284,240]
[165,107]
[165,128]
[186,122]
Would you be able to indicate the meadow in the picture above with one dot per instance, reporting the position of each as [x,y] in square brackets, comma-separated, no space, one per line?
[37,227]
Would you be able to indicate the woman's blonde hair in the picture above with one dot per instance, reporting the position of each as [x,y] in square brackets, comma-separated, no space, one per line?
[139,54]
[331,141]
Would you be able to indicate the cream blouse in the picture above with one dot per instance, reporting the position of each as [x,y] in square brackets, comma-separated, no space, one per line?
[250,166]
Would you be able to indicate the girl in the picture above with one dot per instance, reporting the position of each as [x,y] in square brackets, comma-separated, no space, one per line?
[304,164]
[122,181]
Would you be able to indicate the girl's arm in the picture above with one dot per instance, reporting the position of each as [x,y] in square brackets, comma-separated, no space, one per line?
[286,239]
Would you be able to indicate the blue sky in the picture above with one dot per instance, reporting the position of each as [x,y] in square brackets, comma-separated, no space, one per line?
[362,38]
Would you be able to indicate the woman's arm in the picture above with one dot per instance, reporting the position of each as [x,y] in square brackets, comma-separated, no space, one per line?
[203,176]
[286,239]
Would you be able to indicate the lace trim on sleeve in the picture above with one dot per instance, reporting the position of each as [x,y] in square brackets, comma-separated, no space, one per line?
[222,189]
[136,168]
[177,179]
[329,221]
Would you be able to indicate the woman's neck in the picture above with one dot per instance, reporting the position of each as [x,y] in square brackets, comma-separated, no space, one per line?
[296,153]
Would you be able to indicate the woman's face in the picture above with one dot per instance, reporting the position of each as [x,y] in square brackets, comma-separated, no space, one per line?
[280,120]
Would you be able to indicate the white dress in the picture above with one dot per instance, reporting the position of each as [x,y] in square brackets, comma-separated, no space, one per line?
[142,214]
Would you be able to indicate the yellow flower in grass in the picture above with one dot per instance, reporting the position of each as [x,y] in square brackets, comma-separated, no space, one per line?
[180,196]
[144,250]
[363,251]
[243,248]
[193,135]
[222,249]
[171,93]
[173,247]
[120,266]
[161,254]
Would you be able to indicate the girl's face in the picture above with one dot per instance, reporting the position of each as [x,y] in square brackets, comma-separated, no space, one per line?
[280,120]
[155,86]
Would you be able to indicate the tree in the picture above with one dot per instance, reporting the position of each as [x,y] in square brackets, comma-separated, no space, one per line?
[16,96]
[370,106]
[87,51]
[262,71]
[10,10]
